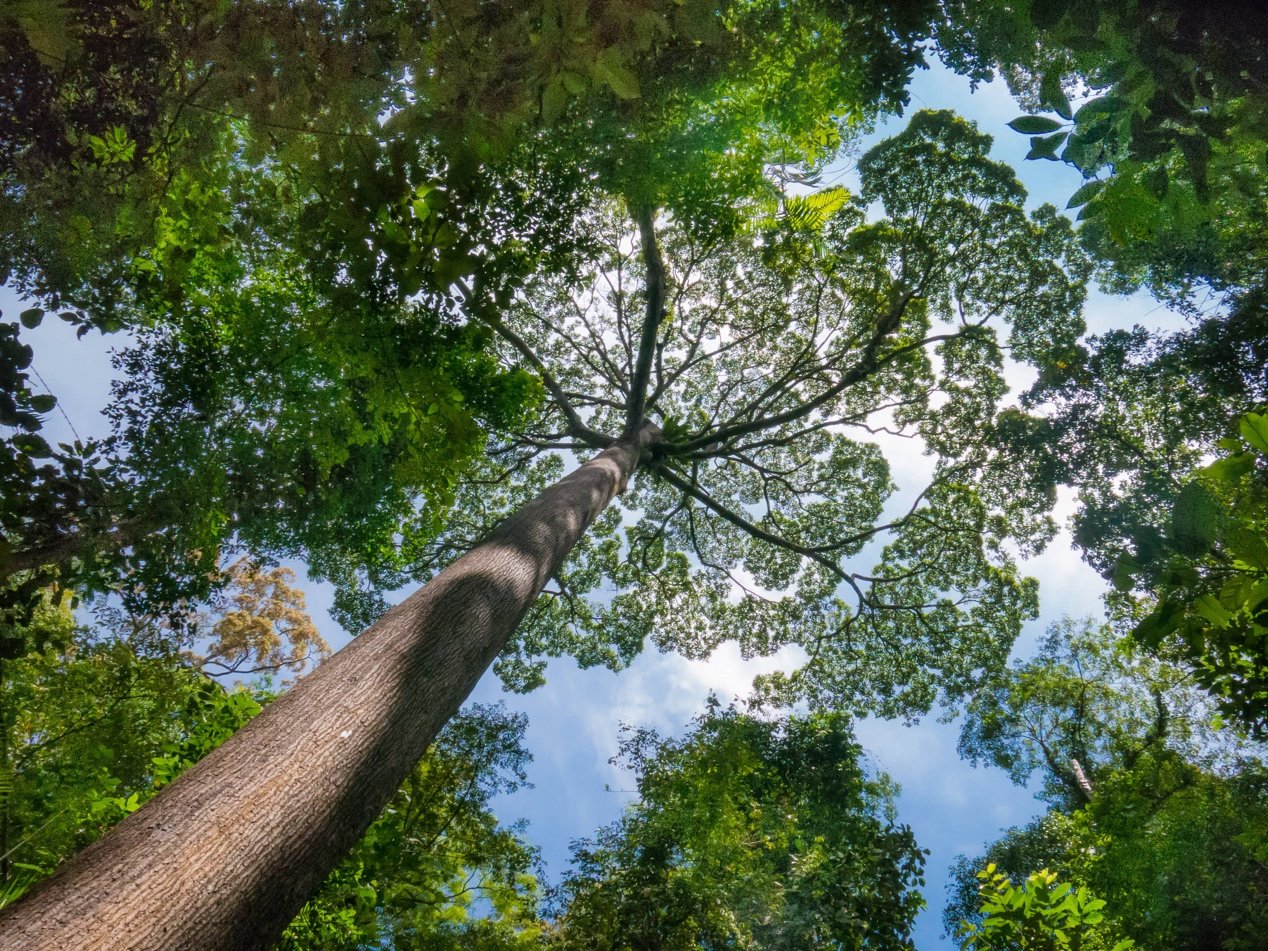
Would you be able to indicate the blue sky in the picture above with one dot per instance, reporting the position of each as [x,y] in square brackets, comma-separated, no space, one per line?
[575,719]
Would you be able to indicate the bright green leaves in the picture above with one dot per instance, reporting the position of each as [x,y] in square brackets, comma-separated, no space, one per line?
[41,485]
[1210,577]
[112,148]
[1150,808]
[1042,914]
[92,725]
[1176,109]
[1254,429]
[1085,193]
[610,68]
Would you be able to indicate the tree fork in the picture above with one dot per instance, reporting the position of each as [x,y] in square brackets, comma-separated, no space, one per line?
[225,856]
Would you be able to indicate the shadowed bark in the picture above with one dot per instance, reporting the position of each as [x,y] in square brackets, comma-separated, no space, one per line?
[225,856]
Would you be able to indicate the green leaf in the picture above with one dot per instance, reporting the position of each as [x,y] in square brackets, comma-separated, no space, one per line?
[31,318]
[1124,573]
[1085,193]
[1045,147]
[1194,520]
[1034,125]
[43,403]
[1247,546]
[1209,607]
[623,82]
[617,75]
[1157,625]
[1053,96]
[574,82]
[554,99]
[1104,106]
[1230,468]
[1254,429]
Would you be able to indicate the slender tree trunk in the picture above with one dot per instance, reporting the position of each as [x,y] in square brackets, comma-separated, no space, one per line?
[226,855]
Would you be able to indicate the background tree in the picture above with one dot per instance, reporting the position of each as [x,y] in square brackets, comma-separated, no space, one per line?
[94,725]
[747,832]
[1132,421]
[91,726]
[1171,143]
[1209,574]
[1150,808]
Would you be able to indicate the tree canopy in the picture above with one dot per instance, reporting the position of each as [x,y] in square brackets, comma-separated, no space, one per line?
[278,199]
[779,356]
[378,271]
[747,832]
[1155,811]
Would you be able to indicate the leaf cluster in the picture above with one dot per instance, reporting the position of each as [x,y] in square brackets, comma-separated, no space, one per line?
[1171,141]
[1042,914]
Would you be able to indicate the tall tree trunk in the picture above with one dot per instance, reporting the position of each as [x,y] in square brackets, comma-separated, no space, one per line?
[226,855]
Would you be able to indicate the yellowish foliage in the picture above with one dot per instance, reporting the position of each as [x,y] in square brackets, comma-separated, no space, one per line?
[262,623]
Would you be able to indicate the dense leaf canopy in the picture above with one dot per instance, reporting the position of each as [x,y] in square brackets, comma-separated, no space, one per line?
[1156,811]
[778,360]
[282,201]
[747,833]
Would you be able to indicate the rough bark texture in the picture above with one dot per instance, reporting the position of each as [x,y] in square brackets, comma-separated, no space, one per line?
[226,855]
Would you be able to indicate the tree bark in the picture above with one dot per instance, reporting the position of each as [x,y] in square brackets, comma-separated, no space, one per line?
[225,856]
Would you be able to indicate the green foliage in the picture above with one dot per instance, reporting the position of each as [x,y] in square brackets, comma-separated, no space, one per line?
[1173,134]
[1172,145]
[1153,806]
[1132,421]
[90,731]
[1209,576]
[747,833]
[1040,915]
[41,486]
[436,869]
[304,219]
[1083,699]
[93,729]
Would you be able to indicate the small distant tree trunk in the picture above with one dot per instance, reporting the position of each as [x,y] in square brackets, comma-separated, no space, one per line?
[225,856]
[1081,779]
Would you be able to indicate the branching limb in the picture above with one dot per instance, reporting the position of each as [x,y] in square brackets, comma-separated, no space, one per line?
[739,521]
[865,367]
[652,318]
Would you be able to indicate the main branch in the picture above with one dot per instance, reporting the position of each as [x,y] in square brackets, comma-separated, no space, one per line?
[653,315]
